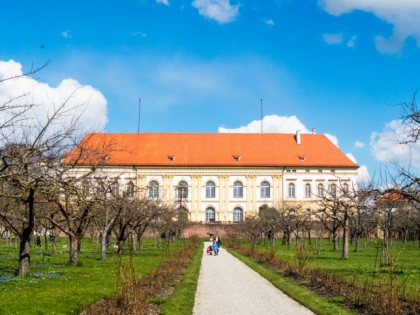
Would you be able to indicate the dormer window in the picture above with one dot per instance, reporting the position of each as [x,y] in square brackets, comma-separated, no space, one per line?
[237,157]
[302,158]
[171,157]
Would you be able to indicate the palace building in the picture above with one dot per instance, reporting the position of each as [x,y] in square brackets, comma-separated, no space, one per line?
[223,176]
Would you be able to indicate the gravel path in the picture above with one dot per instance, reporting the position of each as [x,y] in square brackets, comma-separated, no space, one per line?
[229,287]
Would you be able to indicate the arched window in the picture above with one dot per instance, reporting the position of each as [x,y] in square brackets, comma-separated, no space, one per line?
[115,189]
[85,188]
[238,190]
[291,190]
[182,190]
[345,188]
[154,189]
[238,215]
[320,191]
[265,190]
[210,190]
[308,191]
[130,190]
[101,189]
[333,190]
[210,215]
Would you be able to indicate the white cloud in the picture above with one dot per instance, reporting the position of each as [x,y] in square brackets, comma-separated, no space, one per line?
[359,144]
[386,147]
[90,104]
[165,2]
[66,34]
[351,157]
[270,22]
[275,124]
[363,177]
[331,39]
[352,41]
[219,10]
[403,15]
[271,124]
[138,33]
[332,138]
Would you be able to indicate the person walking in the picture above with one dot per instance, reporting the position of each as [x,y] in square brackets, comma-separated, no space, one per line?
[215,247]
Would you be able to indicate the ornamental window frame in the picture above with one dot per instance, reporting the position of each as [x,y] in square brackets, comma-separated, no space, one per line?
[153,189]
[210,214]
[265,190]
[238,190]
[210,189]
[238,214]
[291,188]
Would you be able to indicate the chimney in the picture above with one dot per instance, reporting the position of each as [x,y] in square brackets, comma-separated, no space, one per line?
[314,131]
[298,136]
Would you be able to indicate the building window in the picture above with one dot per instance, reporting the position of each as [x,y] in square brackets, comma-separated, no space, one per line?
[85,188]
[130,190]
[345,188]
[210,190]
[333,190]
[238,215]
[238,190]
[115,189]
[320,191]
[101,189]
[154,189]
[182,190]
[291,190]
[308,191]
[265,190]
[210,215]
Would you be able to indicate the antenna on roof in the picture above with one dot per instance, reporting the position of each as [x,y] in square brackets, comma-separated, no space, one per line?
[138,121]
[261,100]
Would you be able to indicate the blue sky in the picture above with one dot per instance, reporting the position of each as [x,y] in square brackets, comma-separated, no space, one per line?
[341,66]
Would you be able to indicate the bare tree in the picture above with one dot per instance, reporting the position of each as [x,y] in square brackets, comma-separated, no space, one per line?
[136,215]
[269,218]
[337,205]
[291,220]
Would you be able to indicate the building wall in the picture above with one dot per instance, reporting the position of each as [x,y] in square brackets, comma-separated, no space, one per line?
[224,178]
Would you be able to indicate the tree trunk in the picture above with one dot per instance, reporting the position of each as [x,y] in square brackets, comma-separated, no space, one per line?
[120,244]
[309,237]
[103,245]
[345,252]
[54,245]
[133,237]
[25,238]
[357,242]
[335,241]
[74,244]
[24,258]
[45,240]
[289,239]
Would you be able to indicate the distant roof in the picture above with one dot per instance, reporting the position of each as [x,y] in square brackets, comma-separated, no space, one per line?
[214,149]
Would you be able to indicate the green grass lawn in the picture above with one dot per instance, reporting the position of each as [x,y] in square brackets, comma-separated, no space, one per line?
[181,302]
[365,264]
[54,287]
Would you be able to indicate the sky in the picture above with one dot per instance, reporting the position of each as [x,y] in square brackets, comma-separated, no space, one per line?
[343,67]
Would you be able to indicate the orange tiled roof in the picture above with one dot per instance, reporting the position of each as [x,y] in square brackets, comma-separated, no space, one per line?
[217,149]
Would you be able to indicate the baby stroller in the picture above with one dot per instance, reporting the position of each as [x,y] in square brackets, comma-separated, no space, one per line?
[209,250]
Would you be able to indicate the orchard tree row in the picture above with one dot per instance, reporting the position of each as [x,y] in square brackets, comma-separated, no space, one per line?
[41,191]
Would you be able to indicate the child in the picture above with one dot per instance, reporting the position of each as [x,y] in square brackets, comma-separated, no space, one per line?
[209,250]
[215,247]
